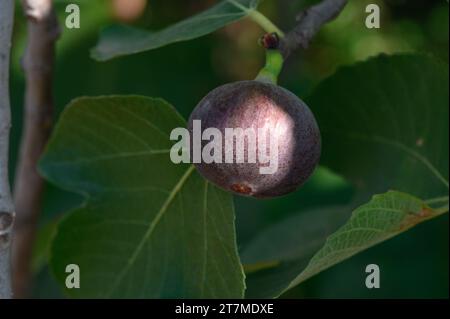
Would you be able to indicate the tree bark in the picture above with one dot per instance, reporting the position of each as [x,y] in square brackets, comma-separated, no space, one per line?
[309,23]
[38,61]
[6,203]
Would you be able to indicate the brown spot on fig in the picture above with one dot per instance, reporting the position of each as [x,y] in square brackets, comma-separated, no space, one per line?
[241,189]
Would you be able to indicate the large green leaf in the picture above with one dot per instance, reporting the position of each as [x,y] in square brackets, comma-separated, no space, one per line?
[385,126]
[385,216]
[148,228]
[122,40]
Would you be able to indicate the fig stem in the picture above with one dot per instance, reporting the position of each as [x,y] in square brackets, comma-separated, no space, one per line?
[272,69]
[265,23]
[258,18]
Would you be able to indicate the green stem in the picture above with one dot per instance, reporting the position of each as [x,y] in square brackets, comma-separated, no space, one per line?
[259,18]
[274,59]
[437,200]
[265,23]
[270,72]
[442,210]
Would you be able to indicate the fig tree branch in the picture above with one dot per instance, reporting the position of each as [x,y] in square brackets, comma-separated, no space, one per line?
[309,23]
[38,61]
[6,202]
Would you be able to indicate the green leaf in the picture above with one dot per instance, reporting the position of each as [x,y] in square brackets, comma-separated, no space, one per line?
[148,228]
[384,124]
[384,217]
[122,40]
[299,236]
[276,255]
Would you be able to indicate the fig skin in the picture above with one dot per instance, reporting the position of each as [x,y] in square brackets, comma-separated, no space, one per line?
[254,104]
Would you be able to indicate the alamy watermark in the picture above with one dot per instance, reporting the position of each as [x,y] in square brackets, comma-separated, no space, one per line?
[250,145]
[373,277]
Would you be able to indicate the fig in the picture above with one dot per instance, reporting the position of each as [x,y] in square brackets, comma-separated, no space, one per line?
[292,140]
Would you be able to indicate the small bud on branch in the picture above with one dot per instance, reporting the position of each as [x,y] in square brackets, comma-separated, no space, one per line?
[270,41]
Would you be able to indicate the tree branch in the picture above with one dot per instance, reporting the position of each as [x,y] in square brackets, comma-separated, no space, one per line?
[38,61]
[309,23]
[6,203]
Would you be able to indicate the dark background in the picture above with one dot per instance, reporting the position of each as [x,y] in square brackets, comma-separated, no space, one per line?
[413,265]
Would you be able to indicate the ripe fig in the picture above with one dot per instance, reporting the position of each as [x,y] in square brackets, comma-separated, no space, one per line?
[255,105]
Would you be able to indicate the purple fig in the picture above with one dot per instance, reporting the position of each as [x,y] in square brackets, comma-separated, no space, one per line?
[286,155]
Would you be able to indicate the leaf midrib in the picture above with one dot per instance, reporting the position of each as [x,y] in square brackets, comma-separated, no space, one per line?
[151,228]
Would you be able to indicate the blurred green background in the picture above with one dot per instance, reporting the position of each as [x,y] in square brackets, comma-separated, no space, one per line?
[413,265]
